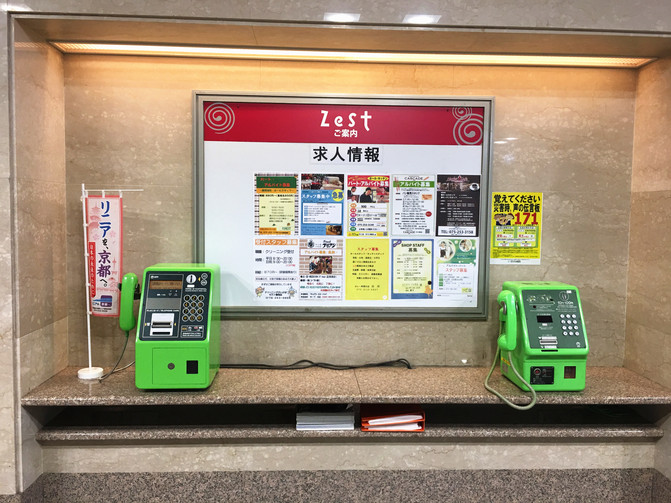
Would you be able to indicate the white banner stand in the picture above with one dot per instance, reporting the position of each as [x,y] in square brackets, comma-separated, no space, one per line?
[91,372]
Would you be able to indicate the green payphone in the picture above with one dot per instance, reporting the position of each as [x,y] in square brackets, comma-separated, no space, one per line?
[177,341]
[543,339]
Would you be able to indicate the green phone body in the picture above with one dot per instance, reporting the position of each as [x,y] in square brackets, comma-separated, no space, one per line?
[543,335]
[177,343]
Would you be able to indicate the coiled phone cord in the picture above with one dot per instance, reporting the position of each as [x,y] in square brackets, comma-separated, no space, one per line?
[505,400]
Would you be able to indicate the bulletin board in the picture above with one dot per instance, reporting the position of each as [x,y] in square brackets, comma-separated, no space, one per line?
[344,206]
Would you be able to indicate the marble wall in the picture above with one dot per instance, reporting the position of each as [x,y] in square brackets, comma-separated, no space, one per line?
[648,346]
[40,209]
[648,349]
[575,131]
[7,343]
[128,121]
[41,337]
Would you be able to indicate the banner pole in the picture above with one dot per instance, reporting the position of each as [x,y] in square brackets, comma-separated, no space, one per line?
[89,372]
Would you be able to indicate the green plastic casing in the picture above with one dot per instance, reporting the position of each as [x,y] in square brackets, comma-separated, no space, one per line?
[177,343]
[543,335]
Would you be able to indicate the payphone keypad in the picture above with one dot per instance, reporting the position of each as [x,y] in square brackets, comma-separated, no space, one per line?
[553,319]
[176,306]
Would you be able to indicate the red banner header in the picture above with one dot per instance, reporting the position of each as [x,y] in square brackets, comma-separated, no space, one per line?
[352,124]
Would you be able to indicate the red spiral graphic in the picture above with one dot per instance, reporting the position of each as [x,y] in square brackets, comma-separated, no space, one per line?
[469,127]
[461,112]
[219,117]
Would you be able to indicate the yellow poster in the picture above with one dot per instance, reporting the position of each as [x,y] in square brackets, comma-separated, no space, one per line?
[412,266]
[276,204]
[367,269]
[516,228]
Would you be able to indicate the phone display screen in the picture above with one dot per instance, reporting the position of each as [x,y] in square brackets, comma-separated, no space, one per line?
[165,284]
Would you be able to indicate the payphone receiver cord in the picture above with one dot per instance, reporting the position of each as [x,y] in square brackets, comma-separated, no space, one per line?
[114,369]
[505,400]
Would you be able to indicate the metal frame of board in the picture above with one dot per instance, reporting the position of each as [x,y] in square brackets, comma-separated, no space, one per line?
[334,309]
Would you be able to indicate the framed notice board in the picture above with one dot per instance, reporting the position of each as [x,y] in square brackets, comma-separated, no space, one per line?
[344,207]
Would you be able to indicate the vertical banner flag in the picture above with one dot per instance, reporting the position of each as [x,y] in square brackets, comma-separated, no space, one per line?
[103,243]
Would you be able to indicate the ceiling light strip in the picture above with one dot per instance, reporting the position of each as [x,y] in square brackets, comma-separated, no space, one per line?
[349,56]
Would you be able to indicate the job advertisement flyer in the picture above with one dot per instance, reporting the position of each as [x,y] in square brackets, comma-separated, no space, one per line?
[367,205]
[367,269]
[276,204]
[275,269]
[456,271]
[321,204]
[458,205]
[516,228]
[413,205]
[321,269]
[412,269]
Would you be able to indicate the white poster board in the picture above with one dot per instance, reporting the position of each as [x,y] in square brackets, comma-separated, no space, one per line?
[344,206]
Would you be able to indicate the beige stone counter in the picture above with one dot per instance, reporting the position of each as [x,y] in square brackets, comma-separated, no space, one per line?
[426,385]
[260,406]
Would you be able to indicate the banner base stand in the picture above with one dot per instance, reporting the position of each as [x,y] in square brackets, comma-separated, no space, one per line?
[90,373]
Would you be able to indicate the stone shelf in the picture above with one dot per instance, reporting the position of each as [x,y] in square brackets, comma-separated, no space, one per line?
[260,406]
[425,385]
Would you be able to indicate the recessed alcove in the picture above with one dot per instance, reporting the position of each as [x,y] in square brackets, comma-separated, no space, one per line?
[582,136]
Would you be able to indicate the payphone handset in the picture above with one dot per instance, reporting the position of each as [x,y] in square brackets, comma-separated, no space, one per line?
[129,286]
[507,340]
[178,334]
[542,341]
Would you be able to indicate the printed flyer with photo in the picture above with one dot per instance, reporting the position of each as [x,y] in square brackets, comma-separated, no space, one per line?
[516,228]
[368,205]
[321,269]
[413,205]
[275,269]
[276,204]
[412,269]
[322,204]
[458,205]
[456,270]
